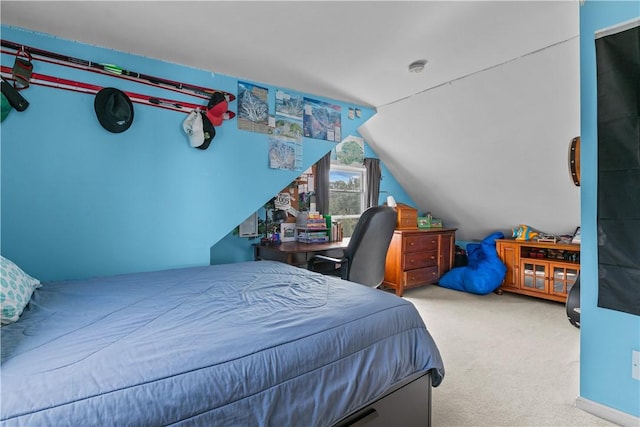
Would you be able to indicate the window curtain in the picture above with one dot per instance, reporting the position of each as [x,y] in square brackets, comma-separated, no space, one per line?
[322,184]
[374,175]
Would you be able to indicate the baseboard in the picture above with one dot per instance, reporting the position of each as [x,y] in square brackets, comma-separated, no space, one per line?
[607,413]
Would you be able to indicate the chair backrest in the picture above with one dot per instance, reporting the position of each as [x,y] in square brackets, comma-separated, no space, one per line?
[367,249]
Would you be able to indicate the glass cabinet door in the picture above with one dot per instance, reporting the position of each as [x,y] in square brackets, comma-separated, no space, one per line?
[534,276]
[563,279]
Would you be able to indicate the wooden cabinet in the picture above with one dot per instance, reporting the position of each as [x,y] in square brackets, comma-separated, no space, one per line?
[407,217]
[418,257]
[508,256]
[540,269]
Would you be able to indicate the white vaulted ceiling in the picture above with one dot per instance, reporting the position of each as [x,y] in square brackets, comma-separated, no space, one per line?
[355,51]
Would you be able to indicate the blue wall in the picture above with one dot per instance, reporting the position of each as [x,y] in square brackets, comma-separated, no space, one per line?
[236,249]
[607,337]
[79,201]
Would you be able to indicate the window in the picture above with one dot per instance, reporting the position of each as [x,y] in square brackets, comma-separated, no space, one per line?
[346,195]
[347,185]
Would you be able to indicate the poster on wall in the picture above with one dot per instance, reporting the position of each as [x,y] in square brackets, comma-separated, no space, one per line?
[322,120]
[289,112]
[285,154]
[350,152]
[249,227]
[253,108]
[283,201]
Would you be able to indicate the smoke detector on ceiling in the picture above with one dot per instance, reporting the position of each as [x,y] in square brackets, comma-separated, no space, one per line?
[417,66]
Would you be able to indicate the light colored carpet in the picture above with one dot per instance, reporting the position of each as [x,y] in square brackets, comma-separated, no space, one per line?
[510,360]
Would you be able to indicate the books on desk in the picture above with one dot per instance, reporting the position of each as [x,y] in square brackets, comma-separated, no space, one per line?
[335,233]
[311,220]
[311,227]
[312,238]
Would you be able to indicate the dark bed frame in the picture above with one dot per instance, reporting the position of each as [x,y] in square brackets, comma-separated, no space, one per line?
[407,404]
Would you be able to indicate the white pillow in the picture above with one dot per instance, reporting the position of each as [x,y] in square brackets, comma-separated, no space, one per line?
[16,288]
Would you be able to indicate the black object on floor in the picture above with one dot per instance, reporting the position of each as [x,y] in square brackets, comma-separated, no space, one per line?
[573,303]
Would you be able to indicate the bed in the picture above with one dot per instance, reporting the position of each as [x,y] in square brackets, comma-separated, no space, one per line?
[257,343]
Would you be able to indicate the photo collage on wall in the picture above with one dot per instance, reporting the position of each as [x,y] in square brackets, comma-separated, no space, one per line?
[295,117]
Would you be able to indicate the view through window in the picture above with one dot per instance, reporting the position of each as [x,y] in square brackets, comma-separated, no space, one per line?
[347,183]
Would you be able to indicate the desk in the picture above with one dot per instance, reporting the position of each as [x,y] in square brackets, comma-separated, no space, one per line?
[298,253]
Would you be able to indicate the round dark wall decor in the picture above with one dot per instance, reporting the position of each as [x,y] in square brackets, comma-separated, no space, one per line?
[574,160]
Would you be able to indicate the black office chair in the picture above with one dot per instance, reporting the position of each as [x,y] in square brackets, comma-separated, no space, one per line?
[573,303]
[364,258]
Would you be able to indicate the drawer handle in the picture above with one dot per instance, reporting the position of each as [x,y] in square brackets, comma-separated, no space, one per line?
[364,418]
[411,243]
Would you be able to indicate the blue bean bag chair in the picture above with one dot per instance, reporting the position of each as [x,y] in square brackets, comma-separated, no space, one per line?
[484,271]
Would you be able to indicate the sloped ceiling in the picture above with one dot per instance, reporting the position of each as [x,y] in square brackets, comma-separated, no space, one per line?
[355,51]
[359,52]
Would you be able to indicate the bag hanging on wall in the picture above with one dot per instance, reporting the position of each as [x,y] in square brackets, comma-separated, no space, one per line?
[22,70]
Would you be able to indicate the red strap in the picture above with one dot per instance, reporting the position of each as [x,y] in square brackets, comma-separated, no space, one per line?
[60,83]
[51,81]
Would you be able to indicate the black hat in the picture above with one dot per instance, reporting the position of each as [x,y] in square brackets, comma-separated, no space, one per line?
[114,109]
[209,131]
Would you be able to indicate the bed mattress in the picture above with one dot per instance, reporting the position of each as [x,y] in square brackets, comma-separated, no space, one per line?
[256,343]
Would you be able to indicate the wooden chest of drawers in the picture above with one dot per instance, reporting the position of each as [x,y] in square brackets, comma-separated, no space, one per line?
[407,217]
[418,257]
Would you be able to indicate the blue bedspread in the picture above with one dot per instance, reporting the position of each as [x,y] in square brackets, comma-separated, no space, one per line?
[257,343]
